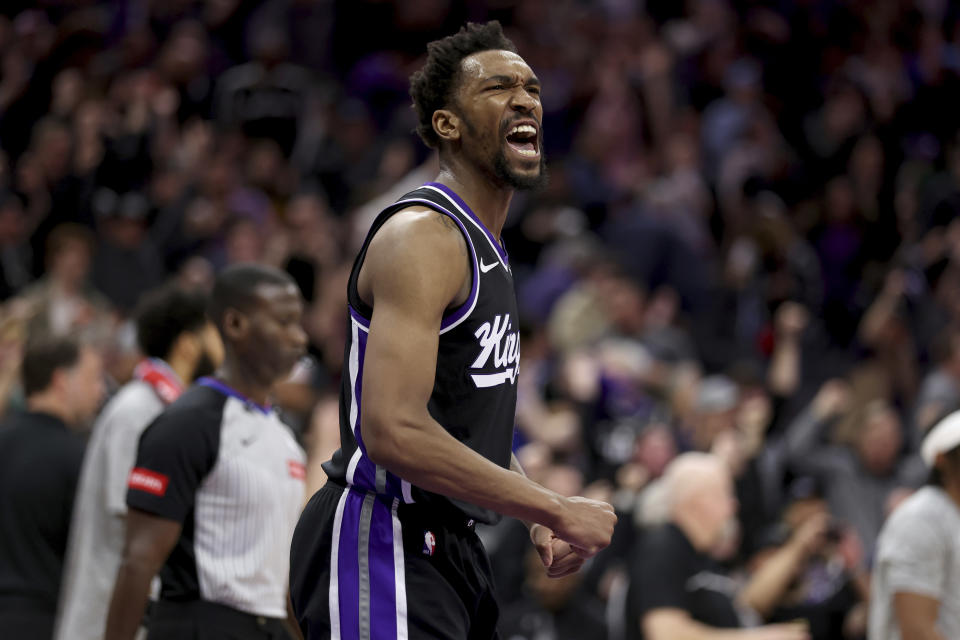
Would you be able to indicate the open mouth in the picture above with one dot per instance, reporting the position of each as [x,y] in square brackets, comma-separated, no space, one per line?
[522,138]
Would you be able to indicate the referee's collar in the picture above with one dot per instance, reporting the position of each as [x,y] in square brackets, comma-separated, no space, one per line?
[227,390]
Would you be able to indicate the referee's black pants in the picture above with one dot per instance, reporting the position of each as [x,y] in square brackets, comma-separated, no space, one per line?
[200,620]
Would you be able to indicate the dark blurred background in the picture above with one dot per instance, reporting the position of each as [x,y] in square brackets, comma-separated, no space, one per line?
[749,244]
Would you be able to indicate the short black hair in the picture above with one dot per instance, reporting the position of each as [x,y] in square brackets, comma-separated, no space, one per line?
[42,356]
[236,288]
[163,314]
[433,85]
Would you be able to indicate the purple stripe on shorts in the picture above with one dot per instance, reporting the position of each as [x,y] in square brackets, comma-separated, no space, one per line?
[348,567]
[394,488]
[383,592]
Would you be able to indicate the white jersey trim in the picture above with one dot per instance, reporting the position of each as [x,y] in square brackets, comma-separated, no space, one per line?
[399,574]
[334,595]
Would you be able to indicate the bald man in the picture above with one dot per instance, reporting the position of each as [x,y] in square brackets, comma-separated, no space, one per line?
[677,589]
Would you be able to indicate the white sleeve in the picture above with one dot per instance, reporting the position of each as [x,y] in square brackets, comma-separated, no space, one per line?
[125,425]
[913,555]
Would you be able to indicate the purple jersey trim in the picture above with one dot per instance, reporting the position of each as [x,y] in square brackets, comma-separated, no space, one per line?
[356,315]
[226,390]
[466,208]
[457,315]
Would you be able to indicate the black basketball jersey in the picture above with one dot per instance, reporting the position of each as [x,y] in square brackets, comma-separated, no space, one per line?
[475,390]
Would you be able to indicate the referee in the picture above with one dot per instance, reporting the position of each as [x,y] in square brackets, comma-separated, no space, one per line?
[219,482]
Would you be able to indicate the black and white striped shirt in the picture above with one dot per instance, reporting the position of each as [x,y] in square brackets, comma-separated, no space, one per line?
[231,472]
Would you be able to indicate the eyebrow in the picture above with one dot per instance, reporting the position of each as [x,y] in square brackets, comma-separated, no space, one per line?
[533,80]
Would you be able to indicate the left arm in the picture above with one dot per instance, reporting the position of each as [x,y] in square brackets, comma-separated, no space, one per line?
[557,556]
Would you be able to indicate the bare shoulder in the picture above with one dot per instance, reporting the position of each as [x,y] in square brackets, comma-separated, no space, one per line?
[416,227]
[416,248]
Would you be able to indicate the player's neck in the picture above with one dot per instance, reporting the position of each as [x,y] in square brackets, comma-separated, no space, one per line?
[488,201]
[50,403]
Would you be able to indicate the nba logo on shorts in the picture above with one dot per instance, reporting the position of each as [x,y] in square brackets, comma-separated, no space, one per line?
[429,543]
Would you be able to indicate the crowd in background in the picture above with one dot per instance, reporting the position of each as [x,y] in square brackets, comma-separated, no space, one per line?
[749,244]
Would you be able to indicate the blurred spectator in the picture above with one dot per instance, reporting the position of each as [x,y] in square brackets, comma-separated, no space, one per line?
[916,580]
[940,391]
[179,344]
[551,608]
[677,589]
[63,300]
[821,562]
[858,478]
[265,97]
[14,327]
[125,263]
[15,256]
[40,458]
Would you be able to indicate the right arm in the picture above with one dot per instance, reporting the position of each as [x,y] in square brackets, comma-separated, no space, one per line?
[802,446]
[415,268]
[772,579]
[783,377]
[917,616]
[912,556]
[149,541]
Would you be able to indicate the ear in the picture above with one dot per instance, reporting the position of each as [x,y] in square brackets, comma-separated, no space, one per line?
[446,124]
[236,325]
[60,380]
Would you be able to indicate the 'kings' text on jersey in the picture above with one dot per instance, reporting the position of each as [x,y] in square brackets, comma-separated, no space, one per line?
[478,360]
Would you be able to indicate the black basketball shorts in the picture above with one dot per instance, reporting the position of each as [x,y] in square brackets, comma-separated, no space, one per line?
[364,566]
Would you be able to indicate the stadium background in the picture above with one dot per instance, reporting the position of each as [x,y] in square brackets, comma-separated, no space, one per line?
[751,219]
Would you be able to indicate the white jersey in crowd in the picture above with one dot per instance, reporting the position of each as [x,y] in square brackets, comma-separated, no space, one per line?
[918,551]
[98,528]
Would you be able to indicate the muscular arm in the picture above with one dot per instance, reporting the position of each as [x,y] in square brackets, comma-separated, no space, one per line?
[414,270]
[149,541]
[917,616]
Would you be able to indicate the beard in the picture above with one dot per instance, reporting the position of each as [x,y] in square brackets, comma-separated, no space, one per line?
[523,182]
[502,170]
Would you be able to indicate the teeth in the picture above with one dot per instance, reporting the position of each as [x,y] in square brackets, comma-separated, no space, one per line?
[526,152]
[523,128]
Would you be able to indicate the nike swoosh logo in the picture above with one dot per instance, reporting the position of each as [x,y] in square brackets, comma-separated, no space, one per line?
[487,267]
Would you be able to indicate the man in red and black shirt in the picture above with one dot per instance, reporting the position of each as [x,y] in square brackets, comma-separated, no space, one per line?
[180,344]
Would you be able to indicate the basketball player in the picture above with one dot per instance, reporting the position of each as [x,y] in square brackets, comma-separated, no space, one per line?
[387,548]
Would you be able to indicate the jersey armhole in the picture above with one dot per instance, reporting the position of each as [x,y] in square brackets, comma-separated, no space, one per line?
[362,312]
